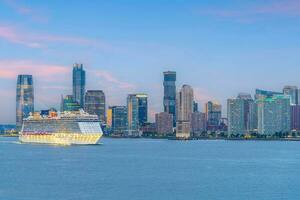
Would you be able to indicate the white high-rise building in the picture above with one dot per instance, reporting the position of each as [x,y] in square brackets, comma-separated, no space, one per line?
[274,114]
[184,110]
[236,116]
[291,91]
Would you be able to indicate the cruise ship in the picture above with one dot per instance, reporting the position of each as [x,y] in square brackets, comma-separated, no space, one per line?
[64,128]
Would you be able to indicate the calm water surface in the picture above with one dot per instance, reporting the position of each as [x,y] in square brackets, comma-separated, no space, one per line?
[137,169]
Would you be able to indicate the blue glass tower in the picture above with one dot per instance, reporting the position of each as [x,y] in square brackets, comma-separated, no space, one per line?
[170,94]
[24,98]
[78,84]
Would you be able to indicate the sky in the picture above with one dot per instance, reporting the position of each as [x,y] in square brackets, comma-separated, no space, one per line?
[220,48]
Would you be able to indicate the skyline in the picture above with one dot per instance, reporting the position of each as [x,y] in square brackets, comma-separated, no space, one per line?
[216,49]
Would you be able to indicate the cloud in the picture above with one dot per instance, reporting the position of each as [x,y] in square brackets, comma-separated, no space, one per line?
[114,80]
[34,14]
[42,41]
[286,8]
[10,69]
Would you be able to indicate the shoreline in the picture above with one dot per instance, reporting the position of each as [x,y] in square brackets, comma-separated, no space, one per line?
[190,139]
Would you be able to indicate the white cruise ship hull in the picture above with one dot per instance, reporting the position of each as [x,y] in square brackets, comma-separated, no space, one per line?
[61,138]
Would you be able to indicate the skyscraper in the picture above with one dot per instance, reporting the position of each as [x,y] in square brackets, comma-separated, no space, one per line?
[236,116]
[184,110]
[274,114]
[292,92]
[119,119]
[295,117]
[142,108]
[132,114]
[213,112]
[24,98]
[95,103]
[78,84]
[198,123]
[170,94]
[164,123]
[247,101]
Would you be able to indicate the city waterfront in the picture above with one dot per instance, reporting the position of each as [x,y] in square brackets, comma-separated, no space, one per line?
[150,169]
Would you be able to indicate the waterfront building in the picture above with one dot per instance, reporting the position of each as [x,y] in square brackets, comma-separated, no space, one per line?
[274,114]
[184,110]
[164,123]
[24,98]
[295,117]
[213,111]
[247,101]
[198,123]
[133,115]
[170,94]
[253,118]
[236,115]
[119,119]
[94,104]
[292,92]
[69,104]
[78,84]
[142,108]
[109,117]
[148,129]
[261,94]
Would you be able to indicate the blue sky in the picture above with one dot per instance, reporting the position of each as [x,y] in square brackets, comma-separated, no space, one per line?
[219,47]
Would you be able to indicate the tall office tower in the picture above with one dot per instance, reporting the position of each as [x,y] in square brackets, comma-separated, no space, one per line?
[119,119]
[236,116]
[213,113]
[142,108]
[109,117]
[261,94]
[253,116]
[291,91]
[184,110]
[295,117]
[170,94]
[164,123]
[94,104]
[78,84]
[24,98]
[69,104]
[195,106]
[132,114]
[198,123]
[247,101]
[274,114]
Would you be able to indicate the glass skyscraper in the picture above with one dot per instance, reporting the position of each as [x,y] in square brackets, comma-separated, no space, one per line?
[170,94]
[291,91]
[118,119]
[95,104]
[78,84]
[236,116]
[143,108]
[24,98]
[274,115]
[132,114]
[213,111]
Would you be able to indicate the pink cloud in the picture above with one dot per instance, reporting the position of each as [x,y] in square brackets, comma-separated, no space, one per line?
[10,69]
[42,40]
[112,79]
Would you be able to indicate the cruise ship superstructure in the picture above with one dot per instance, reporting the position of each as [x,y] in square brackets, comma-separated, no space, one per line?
[65,128]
